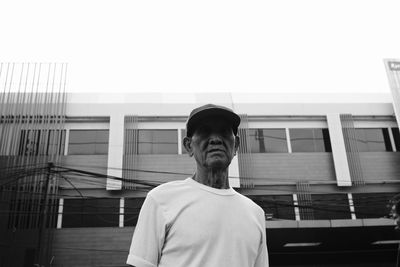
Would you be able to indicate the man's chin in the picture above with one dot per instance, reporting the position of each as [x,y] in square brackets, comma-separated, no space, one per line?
[218,165]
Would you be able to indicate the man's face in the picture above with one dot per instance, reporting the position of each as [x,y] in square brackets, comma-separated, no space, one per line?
[213,144]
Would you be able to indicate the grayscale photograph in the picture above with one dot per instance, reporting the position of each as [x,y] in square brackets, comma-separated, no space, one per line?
[199,133]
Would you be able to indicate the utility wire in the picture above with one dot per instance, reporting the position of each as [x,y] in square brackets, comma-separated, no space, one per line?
[289,205]
[369,197]
[99,175]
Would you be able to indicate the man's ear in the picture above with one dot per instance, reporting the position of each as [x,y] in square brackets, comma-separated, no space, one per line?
[237,143]
[187,143]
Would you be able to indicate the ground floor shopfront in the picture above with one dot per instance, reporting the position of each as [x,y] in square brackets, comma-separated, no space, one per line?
[364,242]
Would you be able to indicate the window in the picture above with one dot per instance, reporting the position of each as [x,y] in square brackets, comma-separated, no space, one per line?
[310,140]
[98,212]
[268,140]
[330,206]
[131,210]
[26,213]
[41,142]
[88,142]
[158,141]
[276,206]
[373,139]
[396,137]
[371,205]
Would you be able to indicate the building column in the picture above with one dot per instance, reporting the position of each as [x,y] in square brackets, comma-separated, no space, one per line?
[296,207]
[60,213]
[289,145]
[351,205]
[66,142]
[392,142]
[339,154]
[115,151]
[180,141]
[121,211]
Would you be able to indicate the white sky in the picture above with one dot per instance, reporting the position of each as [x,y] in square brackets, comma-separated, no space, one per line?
[282,46]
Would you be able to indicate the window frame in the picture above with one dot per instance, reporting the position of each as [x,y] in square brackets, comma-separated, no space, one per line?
[266,150]
[95,143]
[326,141]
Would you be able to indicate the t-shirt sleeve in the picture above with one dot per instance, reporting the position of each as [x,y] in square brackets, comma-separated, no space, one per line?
[262,257]
[148,237]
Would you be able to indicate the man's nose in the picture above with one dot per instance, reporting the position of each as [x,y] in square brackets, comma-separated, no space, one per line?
[215,139]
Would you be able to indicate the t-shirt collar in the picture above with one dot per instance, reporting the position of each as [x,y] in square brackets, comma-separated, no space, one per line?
[194,183]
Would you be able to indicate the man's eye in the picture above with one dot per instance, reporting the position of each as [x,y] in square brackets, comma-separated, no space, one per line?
[203,130]
[226,133]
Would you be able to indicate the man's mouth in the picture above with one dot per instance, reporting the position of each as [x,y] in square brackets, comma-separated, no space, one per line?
[215,150]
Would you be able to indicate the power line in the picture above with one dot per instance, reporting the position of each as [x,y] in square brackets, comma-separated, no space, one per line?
[282,204]
[85,175]
[104,176]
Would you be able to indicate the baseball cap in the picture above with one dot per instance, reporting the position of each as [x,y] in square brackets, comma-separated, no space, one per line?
[210,111]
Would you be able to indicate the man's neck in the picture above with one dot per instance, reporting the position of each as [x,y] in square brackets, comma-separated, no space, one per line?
[213,178]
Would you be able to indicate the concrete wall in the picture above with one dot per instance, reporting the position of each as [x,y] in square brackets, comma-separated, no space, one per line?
[380,166]
[165,163]
[285,167]
[90,163]
[91,246]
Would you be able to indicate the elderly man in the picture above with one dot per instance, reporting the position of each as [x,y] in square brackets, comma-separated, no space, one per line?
[202,221]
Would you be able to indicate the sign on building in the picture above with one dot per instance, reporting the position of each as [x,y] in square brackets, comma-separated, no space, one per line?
[393,72]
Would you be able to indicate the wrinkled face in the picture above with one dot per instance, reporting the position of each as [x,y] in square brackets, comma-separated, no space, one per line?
[213,144]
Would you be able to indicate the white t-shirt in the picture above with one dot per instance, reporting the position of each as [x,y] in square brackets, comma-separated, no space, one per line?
[188,224]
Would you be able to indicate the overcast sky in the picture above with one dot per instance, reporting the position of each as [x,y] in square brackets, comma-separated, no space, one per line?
[285,46]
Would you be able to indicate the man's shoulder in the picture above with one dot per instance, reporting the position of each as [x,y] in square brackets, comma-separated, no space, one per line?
[250,203]
[168,188]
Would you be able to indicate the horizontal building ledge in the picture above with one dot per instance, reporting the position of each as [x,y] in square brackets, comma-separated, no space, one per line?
[329,223]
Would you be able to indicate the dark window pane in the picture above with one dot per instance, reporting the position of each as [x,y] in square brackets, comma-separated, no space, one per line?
[396,137]
[52,214]
[99,212]
[22,216]
[29,143]
[158,142]
[276,206]
[56,143]
[310,140]
[371,205]
[131,211]
[372,140]
[41,142]
[330,206]
[327,140]
[88,142]
[26,213]
[29,258]
[267,140]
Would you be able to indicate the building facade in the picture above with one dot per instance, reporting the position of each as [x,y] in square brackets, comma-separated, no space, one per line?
[77,170]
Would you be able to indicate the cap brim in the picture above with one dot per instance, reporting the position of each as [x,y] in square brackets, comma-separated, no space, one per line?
[196,119]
